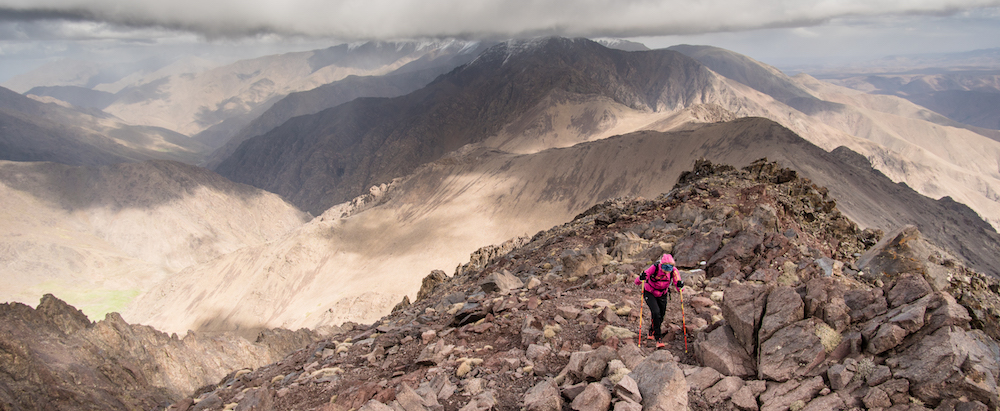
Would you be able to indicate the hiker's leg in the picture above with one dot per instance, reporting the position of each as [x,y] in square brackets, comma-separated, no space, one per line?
[657,307]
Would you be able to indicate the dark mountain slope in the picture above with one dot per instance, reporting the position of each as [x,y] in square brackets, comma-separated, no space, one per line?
[34,131]
[320,160]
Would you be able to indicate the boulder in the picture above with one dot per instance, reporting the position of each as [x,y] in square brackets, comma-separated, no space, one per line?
[484,401]
[828,402]
[692,249]
[210,402]
[594,398]
[723,390]
[537,352]
[578,263]
[744,399]
[373,405]
[740,247]
[908,288]
[595,363]
[791,351]
[780,396]
[951,363]
[429,282]
[627,406]
[888,337]
[501,282]
[875,398]
[628,390]
[703,378]
[865,304]
[784,306]
[661,383]
[721,351]
[544,396]
[839,376]
[409,399]
[742,307]
[631,355]
[825,300]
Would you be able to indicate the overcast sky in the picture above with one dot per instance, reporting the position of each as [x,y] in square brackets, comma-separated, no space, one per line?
[780,32]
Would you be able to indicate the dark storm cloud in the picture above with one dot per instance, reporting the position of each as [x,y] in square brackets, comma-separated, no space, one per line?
[392,19]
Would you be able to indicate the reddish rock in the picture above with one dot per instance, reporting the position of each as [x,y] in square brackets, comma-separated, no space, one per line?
[779,396]
[721,351]
[744,399]
[784,307]
[594,398]
[544,396]
[704,378]
[790,351]
[661,383]
[908,288]
[723,390]
[742,306]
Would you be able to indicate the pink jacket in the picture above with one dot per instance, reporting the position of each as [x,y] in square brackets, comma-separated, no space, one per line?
[659,282]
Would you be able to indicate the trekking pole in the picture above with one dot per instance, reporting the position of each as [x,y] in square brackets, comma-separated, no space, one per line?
[642,289]
[684,321]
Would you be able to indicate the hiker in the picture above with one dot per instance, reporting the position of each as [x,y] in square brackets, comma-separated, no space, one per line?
[658,279]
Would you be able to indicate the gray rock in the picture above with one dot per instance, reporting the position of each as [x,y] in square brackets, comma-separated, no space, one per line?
[256,399]
[723,390]
[784,306]
[544,396]
[908,288]
[744,399]
[578,263]
[791,351]
[429,282]
[570,392]
[628,390]
[779,396]
[501,282]
[595,363]
[721,351]
[661,383]
[742,307]
[594,398]
[950,312]
[703,378]
[911,318]
[409,399]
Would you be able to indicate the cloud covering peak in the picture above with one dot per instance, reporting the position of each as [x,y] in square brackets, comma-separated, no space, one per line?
[398,19]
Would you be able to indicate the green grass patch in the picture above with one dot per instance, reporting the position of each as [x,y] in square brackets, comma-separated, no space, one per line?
[95,303]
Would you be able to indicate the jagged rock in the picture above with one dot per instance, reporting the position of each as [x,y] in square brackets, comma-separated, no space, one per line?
[865,304]
[780,396]
[62,316]
[876,398]
[905,251]
[402,305]
[570,392]
[742,307]
[887,337]
[740,247]
[483,401]
[784,307]
[828,402]
[695,247]
[744,399]
[501,282]
[579,263]
[429,282]
[537,352]
[908,288]
[721,351]
[544,396]
[723,389]
[949,312]
[703,378]
[898,390]
[878,376]
[628,390]
[594,398]
[791,351]
[594,364]
[661,383]
[825,300]
[951,363]
[257,399]
[839,376]
[631,355]
[567,312]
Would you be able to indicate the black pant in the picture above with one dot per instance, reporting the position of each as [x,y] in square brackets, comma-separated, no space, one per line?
[658,308]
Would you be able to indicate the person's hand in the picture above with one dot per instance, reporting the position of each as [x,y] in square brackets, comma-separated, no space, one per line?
[642,277]
[680,284]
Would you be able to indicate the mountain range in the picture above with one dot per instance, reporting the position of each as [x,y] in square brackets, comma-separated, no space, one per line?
[503,140]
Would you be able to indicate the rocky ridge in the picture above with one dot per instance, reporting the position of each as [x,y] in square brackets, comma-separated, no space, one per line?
[789,305]
[53,357]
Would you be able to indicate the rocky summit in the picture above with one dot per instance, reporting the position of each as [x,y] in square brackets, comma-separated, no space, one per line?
[788,305]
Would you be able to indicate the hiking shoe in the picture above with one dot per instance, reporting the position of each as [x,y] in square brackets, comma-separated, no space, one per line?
[650,337]
[660,345]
